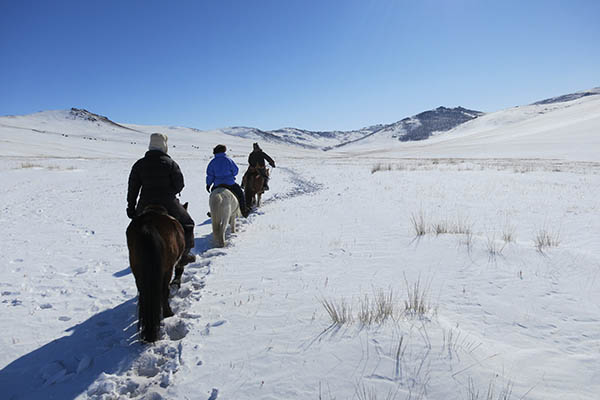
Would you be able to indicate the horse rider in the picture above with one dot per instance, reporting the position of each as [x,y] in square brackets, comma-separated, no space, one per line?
[160,180]
[221,172]
[256,159]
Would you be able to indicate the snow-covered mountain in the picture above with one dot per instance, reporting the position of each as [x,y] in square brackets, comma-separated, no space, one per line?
[569,97]
[417,127]
[420,126]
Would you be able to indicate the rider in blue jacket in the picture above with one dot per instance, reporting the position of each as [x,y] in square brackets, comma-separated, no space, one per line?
[221,172]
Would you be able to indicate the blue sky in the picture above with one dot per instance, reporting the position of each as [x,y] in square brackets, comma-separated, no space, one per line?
[318,65]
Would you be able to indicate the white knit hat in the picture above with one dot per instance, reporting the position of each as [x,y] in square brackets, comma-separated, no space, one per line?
[158,141]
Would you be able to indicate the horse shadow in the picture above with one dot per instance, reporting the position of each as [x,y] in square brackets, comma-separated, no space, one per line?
[203,244]
[64,368]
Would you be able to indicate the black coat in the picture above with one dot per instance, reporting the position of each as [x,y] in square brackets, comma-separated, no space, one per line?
[257,159]
[158,177]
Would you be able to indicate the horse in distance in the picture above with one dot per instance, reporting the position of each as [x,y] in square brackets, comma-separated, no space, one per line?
[254,181]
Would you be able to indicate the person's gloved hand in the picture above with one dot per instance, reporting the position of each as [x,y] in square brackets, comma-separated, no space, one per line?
[273,165]
[131,212]
[208,188]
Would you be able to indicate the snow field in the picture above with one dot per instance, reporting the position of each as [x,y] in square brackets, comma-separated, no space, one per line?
[504,312]
[249,318]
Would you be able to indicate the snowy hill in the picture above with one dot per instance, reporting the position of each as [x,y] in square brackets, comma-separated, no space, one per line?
[567,129]
[418,127]
[462,266]
[569,97]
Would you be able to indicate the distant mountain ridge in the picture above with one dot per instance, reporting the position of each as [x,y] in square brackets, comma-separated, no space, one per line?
[418,127]
[422,125]
[569,97]
[85,115]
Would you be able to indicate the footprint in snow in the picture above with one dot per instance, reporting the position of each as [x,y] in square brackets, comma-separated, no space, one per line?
[206,330]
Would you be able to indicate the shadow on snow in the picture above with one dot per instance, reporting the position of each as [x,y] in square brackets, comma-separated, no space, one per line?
[66,367]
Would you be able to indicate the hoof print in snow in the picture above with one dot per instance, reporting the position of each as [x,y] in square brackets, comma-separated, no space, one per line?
[214,394]
[153,396]
[206,330]
[104,387]
[84,363]
[147,366]
[177,329]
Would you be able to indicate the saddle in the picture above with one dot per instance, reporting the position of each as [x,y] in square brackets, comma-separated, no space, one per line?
[154,209]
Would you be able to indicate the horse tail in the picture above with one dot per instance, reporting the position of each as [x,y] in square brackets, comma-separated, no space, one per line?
[150,283]
[219,217]
[249,191]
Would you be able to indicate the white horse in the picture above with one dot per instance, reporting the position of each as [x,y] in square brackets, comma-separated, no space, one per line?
[224,208]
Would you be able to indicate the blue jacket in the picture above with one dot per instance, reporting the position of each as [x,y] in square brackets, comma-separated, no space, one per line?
[221,170]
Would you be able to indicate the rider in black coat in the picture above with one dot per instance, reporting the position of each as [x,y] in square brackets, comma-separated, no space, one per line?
[160,180]
[257,160]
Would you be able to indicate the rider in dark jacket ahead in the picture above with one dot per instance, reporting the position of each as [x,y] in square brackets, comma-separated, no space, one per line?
[257,159]
[160,180]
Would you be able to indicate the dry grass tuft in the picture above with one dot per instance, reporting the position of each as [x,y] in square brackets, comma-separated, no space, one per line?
[508,234]
[381,167]
[378,310]
[417,303]
[493,247]
[460,226]
[363,392]
[544,239]
[340,312]
[29,165]
[418,223]
[504,394]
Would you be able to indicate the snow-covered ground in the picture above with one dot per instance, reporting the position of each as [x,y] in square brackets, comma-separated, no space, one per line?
[337,228]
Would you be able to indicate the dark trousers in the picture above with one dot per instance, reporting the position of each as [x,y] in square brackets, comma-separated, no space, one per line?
[175,210]
[237,191]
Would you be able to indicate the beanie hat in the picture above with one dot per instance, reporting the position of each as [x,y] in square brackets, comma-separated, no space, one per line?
[220,148]
[158,141]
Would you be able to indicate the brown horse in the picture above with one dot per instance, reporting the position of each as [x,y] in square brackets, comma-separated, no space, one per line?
[156,243]
[254,182]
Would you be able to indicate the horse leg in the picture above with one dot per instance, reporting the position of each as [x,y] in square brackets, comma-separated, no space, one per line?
[258,197]
[232,223]
[178,272]
[167,312]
